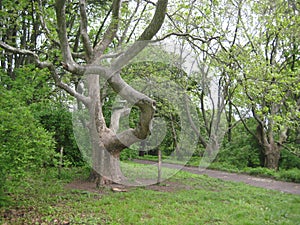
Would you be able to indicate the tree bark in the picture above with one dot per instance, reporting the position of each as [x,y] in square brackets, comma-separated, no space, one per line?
[272,156]
[270,148]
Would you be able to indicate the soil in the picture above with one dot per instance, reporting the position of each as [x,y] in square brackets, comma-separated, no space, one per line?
[168,186]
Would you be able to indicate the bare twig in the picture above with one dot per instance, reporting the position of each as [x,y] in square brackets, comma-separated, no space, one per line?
[127,25]
[43,23]
[187,35]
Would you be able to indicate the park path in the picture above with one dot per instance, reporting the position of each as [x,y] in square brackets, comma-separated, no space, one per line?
[267,183]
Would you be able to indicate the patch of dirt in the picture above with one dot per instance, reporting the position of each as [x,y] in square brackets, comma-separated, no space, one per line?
[83,185]
[88,186]
[166,186]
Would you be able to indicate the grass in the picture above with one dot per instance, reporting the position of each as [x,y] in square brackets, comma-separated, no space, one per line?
[291,175]
[195,199]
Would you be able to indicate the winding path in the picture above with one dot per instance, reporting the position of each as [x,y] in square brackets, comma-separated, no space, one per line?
[267,183]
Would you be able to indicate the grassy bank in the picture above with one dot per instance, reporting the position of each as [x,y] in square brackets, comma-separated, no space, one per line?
[183,199]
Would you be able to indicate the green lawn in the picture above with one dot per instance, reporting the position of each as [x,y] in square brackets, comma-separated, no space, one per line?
[184,199]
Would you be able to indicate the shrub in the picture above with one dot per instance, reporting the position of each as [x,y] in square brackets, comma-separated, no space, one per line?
[260,171]
[288,160]
[292,175]
[24,144]
[243,150]
[128,154]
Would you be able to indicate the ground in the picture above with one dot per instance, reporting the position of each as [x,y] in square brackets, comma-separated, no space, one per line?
[287,187]
[185,198]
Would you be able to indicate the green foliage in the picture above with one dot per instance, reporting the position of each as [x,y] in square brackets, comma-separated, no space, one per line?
[292,175]
[128,154]
[260,171]
[243,151]
[289,160]
[56,118]
[31,124]
[23,139]
[160,78]
[25,145]
[34,89]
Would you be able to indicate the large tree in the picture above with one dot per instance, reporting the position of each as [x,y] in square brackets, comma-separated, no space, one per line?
[73,41]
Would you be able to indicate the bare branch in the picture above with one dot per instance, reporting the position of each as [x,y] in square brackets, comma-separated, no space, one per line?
[109,56]
[83,29]
[85,100]
[50,67]
[127,25]
[25,52]
[111,31]
[101,27]
[62,33]
[156,21]
[243,121]
[191,122]
[146,105]
[116,116]
[146,36]
[78,55]
[43,23]
[136,24]
[188,35]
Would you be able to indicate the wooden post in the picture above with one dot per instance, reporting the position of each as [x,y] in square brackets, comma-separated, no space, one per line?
[159,167]
[60,161]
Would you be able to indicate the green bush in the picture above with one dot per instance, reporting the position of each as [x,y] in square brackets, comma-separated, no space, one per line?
[260,171]
[24,144]
[292,175]
[243,150]
[57,119]
[288,160]
[128,154]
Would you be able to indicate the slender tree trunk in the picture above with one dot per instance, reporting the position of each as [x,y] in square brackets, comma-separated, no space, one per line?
[174,135]
[297,141]
[229,138]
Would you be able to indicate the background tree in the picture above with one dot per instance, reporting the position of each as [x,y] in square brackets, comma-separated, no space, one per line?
[251,49]
[266,77]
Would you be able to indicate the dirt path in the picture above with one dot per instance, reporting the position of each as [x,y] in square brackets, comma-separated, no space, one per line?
[288,187]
